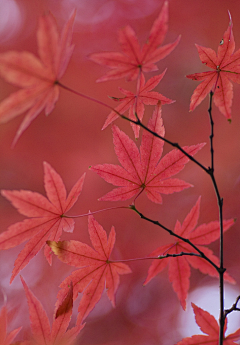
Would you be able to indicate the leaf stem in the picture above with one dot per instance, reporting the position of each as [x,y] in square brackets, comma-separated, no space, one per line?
[160,257]
[87,97]
[98,211]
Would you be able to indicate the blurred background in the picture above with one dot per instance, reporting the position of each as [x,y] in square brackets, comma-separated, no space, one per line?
[71,140]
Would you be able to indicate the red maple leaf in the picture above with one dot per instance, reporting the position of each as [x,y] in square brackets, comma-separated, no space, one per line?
[133,59]
[179,267]
[135,103]
[96,269]
[208,325]
[38,78]
[42,333]
[226,66]
[6,339]
[46,220]
[144,170]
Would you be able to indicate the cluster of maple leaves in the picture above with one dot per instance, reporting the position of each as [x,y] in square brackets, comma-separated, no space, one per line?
[142,169]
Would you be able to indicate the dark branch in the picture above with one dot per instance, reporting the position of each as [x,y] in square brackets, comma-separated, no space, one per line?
[212,132]
[175,145]
[179,254]
[233,308]
[186,240]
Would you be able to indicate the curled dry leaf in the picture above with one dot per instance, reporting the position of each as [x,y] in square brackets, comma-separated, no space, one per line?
[42,333]
[96,268]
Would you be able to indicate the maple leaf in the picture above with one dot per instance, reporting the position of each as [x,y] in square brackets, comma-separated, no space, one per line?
[226,66]
[6,339]
[179,267]
[38,78]
[135,103]
[144,170]
[133,59]
[96,269]
[209,325]
[42,333]
[47,217]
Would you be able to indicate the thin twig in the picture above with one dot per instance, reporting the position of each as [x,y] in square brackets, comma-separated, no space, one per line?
[137,122]
[186,240]
[233,308]
[90,213]
[220,205]
[212,133]
[159,257]
[179,254]
[87,97]
[209,171]
[176,145]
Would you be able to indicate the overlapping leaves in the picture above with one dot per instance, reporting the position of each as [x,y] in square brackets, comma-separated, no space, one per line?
[42,333]
[209,325]
[179,267]
[6,338]
[96,269]
[135,103]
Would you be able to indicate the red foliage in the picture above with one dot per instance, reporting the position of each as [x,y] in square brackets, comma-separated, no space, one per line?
[133,60]
[143,168]
[226,65]
[135,103]
[37,77]
[47,217]
[144,171]
[96,268]
[42,333]
[179,267]
[208,325]
[6,339]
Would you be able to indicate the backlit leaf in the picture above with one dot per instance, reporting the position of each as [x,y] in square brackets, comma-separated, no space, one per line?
[96,271]
[144,170]
[46,220]
[133,60]
[37,77]
[226,65]
[208,325]
[179,267]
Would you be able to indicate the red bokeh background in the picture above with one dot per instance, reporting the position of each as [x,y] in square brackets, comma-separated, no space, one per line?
[71,140]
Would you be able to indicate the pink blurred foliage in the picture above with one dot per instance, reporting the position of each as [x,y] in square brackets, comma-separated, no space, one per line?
[71,139]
